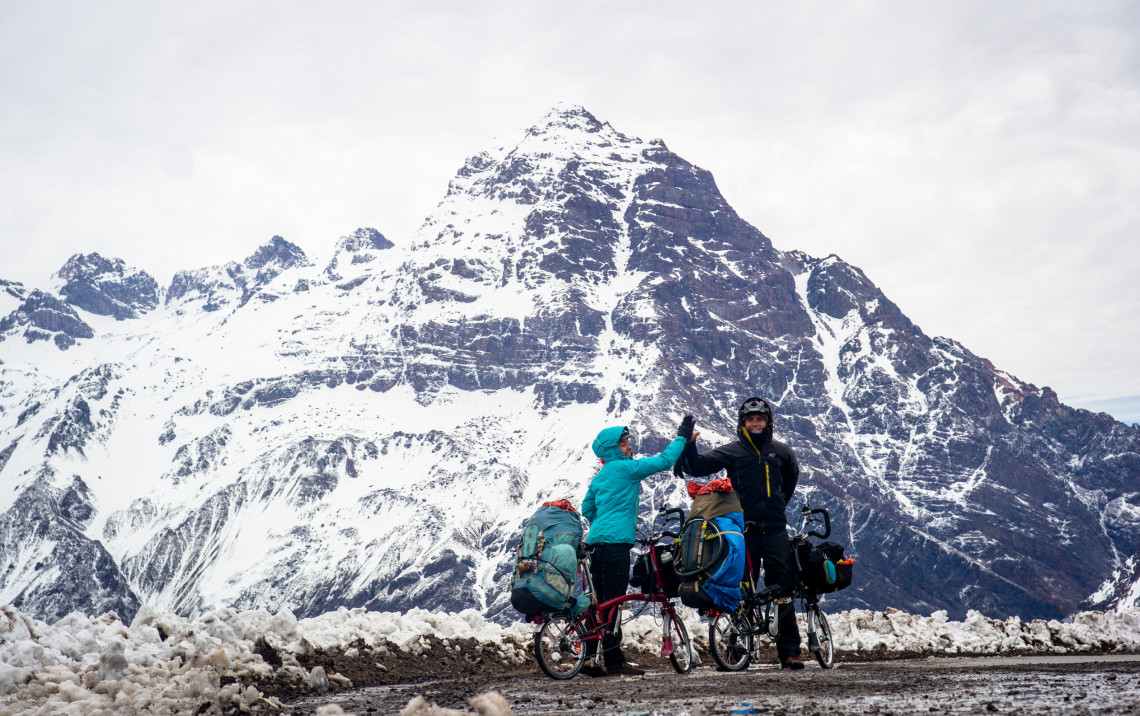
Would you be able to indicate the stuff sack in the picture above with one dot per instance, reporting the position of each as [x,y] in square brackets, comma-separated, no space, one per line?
[694,596]
[642,577]
[822,568]
[546,561]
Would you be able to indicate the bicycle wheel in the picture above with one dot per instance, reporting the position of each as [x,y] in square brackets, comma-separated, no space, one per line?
[558,648]
[729,643]
[825,650]
[682,656]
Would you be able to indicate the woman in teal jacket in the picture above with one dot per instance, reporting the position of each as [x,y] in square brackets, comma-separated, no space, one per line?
[611,507]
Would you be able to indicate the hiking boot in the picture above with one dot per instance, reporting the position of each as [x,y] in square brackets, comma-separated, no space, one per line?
[624,670]
[594,671]
[791,662]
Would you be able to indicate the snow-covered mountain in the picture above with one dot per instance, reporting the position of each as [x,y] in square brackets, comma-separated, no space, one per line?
[370,429]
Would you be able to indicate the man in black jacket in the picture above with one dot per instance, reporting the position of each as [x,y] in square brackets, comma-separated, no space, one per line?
[764,473]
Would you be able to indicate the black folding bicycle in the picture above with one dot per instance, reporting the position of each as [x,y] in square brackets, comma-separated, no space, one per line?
[732,637]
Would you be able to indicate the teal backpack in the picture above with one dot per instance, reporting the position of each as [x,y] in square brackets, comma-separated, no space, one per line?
[546,562]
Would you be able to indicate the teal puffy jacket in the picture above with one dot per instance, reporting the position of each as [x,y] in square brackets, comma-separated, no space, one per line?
[611,502]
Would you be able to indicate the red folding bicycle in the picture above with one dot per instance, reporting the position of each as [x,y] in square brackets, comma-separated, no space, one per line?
[560,643]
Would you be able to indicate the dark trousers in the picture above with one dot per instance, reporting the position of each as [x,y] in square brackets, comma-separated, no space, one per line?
[609,568]
[774,550]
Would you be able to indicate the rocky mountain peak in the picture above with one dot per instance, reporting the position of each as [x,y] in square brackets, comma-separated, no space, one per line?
[357,248]
[107,287]
[567,116]
[88,265]
[364,239]
[42,316]
[218,286]
[276,252]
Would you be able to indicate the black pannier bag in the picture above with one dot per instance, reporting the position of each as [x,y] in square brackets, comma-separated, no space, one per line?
[694,597]
[823,568]
[642,577]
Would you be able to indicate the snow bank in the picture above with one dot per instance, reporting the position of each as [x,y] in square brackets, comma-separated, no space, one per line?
[895,631]
[165,664]
[405,629]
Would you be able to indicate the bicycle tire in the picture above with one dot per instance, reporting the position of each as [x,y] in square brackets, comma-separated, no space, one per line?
[558,648]
[731,649]
[682,656]
[825,653]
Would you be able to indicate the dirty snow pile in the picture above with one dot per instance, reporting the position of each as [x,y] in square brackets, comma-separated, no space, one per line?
[895,631]
[166,664]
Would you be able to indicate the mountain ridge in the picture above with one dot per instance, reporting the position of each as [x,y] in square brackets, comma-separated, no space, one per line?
[371,431]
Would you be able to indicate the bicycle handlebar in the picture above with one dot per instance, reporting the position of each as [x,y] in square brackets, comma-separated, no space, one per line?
[665,513]
[826,523]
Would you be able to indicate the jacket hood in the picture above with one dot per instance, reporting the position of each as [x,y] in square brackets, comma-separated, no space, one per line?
[606,444]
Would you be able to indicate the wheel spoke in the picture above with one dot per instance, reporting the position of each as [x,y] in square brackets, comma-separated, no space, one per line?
[559,649]
[729,642]
[825,652]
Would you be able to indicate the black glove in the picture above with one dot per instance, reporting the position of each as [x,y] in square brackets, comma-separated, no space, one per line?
[686,428]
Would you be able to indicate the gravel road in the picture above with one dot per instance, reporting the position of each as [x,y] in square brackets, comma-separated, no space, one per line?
[1014,685]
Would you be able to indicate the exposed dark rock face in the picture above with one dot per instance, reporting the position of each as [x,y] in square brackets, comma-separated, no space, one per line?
[270,260]
[6,454]
[197,458]
[45,317]
[73,426]
[14,289]
[107,287]
[76,573]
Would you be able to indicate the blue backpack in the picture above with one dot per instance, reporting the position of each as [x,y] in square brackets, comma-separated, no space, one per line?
[546,562]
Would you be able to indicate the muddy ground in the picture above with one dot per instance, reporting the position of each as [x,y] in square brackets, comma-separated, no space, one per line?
[860,684]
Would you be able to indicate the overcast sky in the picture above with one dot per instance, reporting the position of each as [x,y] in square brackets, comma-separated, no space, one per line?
[980,161]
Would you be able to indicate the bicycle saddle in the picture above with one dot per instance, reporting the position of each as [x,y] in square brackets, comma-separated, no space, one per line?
[769,593]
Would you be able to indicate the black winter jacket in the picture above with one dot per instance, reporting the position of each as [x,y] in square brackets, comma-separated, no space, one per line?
[763,471]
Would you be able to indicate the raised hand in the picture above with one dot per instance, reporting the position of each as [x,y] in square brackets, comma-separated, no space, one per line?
[686,428]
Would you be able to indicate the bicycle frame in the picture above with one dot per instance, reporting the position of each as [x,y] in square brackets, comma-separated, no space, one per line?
[759,610]
[597,620]
[601,614]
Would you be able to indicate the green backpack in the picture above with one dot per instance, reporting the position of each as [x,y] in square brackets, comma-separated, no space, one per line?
[546,562]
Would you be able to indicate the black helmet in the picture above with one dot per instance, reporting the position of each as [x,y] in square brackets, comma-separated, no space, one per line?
[754,405]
